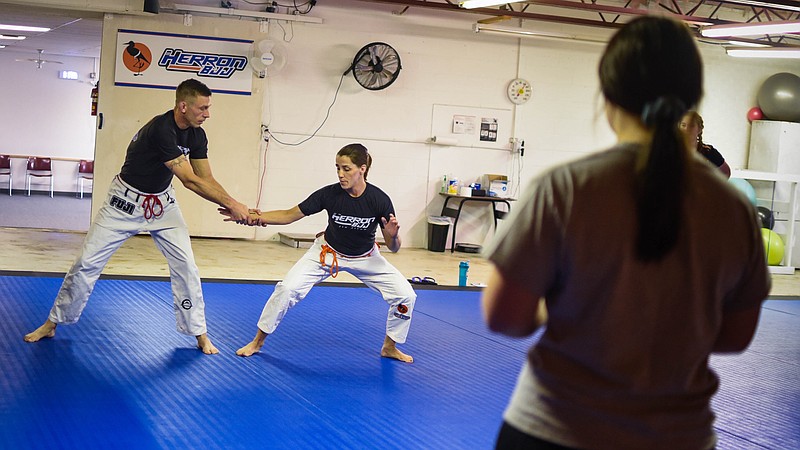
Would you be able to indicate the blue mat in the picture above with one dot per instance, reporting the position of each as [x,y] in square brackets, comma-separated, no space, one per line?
[124,378]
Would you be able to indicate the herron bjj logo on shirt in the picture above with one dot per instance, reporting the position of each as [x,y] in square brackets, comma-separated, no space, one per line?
[212,65]
[184,150]
[356,223]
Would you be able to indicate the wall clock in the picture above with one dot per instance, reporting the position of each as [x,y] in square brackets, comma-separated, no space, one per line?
[519,91]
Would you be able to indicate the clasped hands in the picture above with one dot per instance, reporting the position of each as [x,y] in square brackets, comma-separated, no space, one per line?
[253,219]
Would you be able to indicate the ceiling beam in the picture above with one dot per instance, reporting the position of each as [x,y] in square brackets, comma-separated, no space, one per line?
[631,8]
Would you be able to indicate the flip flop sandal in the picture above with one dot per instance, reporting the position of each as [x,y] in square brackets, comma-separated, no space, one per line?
[422,280]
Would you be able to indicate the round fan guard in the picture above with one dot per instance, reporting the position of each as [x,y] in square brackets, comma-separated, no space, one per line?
[376,66]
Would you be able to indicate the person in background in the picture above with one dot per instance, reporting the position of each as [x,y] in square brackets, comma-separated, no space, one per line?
[355,210]
[692,127]
[638,263]
[141,198]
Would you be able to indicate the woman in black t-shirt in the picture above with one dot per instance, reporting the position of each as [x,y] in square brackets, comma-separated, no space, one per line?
[691,126]
[355,210]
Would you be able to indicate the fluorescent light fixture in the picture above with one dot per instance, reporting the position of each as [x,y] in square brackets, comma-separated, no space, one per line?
[784,6]
[10,37]
[23,28]
[785,53]
[523,33]
[748,44]
[752,29]
[472,4]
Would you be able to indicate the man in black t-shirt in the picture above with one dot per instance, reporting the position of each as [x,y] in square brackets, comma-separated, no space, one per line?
[355,210]
[141,198]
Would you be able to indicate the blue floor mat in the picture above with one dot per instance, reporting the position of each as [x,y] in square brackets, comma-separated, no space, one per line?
[124,378]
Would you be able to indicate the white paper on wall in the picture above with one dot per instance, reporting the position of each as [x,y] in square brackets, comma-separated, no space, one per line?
[473,127]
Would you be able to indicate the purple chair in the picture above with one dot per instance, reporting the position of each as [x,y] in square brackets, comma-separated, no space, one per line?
[40,168]
[5,170]
[85,172]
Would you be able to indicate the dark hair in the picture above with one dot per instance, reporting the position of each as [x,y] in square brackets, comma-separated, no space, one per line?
[191,88]
[358,154]
[652,69]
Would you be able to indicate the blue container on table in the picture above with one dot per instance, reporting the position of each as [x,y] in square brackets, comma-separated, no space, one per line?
[463,268]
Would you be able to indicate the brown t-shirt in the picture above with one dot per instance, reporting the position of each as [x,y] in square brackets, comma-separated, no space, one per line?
[625,349]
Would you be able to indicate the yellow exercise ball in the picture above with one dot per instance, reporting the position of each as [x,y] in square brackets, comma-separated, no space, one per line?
[773,246]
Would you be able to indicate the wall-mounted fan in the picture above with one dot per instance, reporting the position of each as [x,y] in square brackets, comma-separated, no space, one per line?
[268,59]
[39,60]
[376,66]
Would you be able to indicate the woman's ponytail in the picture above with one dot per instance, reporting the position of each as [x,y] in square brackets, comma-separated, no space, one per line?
[660,200]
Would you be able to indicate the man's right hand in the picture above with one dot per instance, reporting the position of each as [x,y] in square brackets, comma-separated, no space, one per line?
[239,212]
[253,217]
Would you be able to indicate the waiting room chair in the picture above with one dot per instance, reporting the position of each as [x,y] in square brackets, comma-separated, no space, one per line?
[40,168]
[5,170]
[85,172]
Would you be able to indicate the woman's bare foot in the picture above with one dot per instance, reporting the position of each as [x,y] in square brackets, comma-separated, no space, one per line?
[389,350]
[47,330]
[204,344]
[253,346]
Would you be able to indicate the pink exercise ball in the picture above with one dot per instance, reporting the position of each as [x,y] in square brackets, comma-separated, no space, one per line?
[754,113]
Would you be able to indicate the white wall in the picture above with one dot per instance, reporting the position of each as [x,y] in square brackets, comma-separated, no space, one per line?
[43,115]
[444,63]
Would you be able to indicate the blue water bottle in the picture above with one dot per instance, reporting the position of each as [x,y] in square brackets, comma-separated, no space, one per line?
[463,268]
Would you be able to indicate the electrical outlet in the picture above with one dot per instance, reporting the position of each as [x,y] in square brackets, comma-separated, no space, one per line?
[517,146]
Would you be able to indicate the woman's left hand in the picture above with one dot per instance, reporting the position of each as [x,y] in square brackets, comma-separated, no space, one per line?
[391,226]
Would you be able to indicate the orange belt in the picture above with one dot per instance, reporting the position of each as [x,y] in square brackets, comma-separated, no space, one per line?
[334,268]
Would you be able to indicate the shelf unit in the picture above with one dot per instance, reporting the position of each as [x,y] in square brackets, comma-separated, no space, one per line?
[792,182]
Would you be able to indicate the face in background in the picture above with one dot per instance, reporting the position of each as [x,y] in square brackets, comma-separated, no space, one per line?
[691,130]
[195,110]
[350,175]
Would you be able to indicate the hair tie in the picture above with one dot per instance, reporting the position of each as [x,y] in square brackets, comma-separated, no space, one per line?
[663,110]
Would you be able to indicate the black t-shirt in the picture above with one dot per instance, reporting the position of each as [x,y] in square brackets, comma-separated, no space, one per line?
[352,221]
[712,155]
[159,141]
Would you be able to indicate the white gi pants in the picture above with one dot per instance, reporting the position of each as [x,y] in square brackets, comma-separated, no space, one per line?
[122,216]
[373,270]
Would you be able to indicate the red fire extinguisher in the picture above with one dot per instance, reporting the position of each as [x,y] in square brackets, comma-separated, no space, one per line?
[95,94]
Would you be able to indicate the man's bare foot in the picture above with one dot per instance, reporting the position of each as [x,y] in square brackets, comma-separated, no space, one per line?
[204,344]
[253,346]
[389,350]
[47,330]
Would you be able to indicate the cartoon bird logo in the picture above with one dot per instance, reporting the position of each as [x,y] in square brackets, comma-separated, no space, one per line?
[136,57]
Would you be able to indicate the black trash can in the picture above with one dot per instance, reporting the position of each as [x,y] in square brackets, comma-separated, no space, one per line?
[437,233]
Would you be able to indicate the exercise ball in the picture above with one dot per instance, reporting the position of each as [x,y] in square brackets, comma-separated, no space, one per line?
[773,246]
[745,187]
[766,217]
[754,113]
[779,97]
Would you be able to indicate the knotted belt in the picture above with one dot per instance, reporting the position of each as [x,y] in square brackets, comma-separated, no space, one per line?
[334,267]
[152,207]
